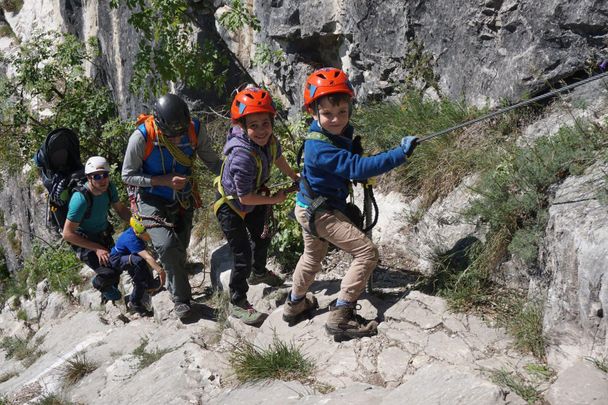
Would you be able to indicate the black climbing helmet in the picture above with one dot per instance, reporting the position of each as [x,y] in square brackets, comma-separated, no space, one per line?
[171,115]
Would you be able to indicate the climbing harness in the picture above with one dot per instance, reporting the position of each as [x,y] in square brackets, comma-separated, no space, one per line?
[363,220]
[259,182]
[512,107]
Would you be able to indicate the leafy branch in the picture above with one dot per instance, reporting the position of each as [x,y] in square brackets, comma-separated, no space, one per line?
[170,50]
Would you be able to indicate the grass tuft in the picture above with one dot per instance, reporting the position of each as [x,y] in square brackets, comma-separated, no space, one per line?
[601,364]
[466,283]
[280,360]
[53,399]
[543,371]
[524,321]
[517,384]
[76,368]
[146,357]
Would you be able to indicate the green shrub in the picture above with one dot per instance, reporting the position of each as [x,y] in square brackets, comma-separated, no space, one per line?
[49,67]
[21,349]
[59,265]
[238,17]
[287,244]
[436,167]
[279,361]
[525,244]
[264,55]
[6,31]
[514,195]
[22,314]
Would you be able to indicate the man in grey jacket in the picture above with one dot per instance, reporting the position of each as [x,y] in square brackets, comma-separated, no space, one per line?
[159,161]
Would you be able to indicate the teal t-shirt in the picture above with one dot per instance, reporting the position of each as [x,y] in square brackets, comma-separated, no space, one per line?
[97,222]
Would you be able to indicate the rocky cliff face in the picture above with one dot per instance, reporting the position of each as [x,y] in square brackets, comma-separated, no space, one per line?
[23,217]
[117,39]
[483,51]
[480,50]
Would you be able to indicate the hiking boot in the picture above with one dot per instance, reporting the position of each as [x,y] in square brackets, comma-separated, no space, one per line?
[111,293]
[344,323]
[245,312]
[267,278]
[182,309]
[294,312]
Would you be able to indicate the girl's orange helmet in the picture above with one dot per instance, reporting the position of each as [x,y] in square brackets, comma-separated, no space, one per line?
[250,101]
[326,81]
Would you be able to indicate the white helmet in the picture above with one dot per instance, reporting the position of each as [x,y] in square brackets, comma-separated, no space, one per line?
[96,164]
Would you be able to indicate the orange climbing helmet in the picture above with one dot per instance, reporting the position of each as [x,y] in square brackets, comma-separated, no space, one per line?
[250,101]
[326,81]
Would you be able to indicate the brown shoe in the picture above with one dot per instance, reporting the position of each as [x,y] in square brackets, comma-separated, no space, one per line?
[294,312]
[343,323]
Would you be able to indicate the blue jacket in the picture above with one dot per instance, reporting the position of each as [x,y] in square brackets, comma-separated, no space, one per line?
[161,162]
[329,167]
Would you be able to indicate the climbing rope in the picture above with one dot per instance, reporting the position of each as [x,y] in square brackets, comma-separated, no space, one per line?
[513,107]
[158,222]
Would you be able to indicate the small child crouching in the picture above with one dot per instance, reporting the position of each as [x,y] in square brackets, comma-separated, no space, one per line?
[130,254]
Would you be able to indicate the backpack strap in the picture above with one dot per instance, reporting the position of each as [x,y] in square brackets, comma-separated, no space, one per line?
[151,134]
[88,196]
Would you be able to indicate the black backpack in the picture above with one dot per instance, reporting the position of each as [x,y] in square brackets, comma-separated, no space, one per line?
[62,174]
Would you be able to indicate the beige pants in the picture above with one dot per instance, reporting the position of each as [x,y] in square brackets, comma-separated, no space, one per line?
[335,228]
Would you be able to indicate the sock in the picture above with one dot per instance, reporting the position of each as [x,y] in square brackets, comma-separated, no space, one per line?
[347,304]
[295,298]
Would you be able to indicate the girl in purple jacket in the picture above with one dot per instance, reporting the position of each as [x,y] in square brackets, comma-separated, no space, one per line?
[250,151]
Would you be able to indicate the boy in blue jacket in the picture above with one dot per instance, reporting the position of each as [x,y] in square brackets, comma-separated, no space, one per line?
[329,167]
[251,150]
[130,254]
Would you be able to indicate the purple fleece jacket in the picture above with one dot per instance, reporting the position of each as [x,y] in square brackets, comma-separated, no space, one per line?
[240,169]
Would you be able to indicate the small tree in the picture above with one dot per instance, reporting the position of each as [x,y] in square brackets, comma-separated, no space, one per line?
[169,50]
[50,89]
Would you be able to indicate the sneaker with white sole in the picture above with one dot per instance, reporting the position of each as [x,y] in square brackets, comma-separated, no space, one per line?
[269,278]
[246,313]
